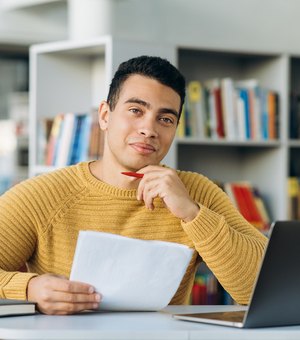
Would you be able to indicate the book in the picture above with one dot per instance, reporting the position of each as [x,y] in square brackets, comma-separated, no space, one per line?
[254,108]
[243,95]
[228,100]
[293,195]
[96,143]
[65,141]
[181,126]
[207,290]
[16,307]
[70,138]
[53,139]
[294,122]
[43,134]
[249,202]
[214,108]
[196,108]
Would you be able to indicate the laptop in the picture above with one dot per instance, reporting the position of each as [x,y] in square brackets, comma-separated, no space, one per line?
[275,299]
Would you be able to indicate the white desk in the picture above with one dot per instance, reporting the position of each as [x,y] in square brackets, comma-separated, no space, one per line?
[134,326]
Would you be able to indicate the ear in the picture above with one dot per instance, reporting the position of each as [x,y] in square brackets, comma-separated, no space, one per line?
[103,115]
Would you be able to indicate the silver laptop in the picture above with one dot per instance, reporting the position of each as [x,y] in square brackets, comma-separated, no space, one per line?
[275,299]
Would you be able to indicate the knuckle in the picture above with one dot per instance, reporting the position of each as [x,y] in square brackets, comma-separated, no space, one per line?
[68,286]
[170,172]
[45,308]
[46,296]
[70,308]
[72,298]
[48,282]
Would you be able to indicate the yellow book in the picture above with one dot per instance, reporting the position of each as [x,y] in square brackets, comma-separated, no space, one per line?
[181,125]
[293,192]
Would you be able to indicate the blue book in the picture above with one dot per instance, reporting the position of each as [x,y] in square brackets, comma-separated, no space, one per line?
[77,130]
[264,113]
[243,93]
[69,162]
[84,138]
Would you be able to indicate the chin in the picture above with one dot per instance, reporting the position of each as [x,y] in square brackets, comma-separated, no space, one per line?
[139,165]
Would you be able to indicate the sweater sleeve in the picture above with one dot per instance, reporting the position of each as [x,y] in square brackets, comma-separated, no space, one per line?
[18,239]
[26,211]
[231,247]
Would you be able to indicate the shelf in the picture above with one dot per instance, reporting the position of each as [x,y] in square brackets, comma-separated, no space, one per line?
[18,4]
[85,47]
[226,143]
[294,143]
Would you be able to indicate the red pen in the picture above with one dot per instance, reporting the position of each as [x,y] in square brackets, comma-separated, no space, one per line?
[132,174]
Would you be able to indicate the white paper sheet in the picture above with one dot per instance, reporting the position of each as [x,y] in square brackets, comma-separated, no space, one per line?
[130,274]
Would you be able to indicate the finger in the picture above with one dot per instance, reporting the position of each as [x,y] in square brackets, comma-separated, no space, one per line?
[64,285]
[57,296]
[149,195]
[62,308]
[147,180]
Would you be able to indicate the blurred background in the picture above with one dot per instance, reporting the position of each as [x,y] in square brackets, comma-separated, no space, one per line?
[265,26]
[241,121]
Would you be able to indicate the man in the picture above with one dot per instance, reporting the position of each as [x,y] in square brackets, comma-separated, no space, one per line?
[41,217]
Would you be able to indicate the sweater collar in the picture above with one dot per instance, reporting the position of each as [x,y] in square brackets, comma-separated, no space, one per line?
[97,185]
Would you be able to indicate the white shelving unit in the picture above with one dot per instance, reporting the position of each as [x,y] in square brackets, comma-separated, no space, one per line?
[74,76]
[17,4]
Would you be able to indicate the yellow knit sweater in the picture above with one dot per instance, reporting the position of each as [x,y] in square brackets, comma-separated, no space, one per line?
[40,219]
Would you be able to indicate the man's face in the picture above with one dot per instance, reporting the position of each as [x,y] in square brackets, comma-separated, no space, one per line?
[143,124]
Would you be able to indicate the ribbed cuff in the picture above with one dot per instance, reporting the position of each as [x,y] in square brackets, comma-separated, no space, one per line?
[204,225]
[16,288]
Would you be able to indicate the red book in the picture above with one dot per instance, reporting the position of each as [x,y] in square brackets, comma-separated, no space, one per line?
[219,113]
[196,291]
[240,200]
[246,204]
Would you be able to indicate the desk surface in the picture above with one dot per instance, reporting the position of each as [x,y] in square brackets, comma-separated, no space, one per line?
[134,325]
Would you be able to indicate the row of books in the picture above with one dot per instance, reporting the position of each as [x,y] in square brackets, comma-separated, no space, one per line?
[231,110]
[249,202]
[207,291]
[294,127]
[69,138]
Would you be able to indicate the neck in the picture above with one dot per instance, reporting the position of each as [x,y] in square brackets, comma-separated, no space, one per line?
[111,174]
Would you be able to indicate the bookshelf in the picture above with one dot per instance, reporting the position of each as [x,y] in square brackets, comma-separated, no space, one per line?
[260,162]
[73,76]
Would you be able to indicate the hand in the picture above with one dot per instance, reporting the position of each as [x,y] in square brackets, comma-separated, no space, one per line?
[57,295]
[165,183]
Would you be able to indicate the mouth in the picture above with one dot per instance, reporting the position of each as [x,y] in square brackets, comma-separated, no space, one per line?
[143,148]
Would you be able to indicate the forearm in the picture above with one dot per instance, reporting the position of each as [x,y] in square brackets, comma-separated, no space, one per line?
[233,251]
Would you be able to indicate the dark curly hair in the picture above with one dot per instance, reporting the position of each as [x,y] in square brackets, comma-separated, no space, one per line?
[152,67]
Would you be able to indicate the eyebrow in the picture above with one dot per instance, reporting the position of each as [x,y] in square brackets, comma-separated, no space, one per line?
[147,105]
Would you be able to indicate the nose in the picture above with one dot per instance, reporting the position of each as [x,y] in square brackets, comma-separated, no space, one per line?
[147,129]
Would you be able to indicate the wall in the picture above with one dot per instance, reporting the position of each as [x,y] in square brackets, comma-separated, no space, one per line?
[33,24]
[264,25]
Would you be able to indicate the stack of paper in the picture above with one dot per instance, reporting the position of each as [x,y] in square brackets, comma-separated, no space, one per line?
[130,274]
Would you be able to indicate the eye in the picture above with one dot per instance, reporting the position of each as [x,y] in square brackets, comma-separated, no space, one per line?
[167,120]
[135,110]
